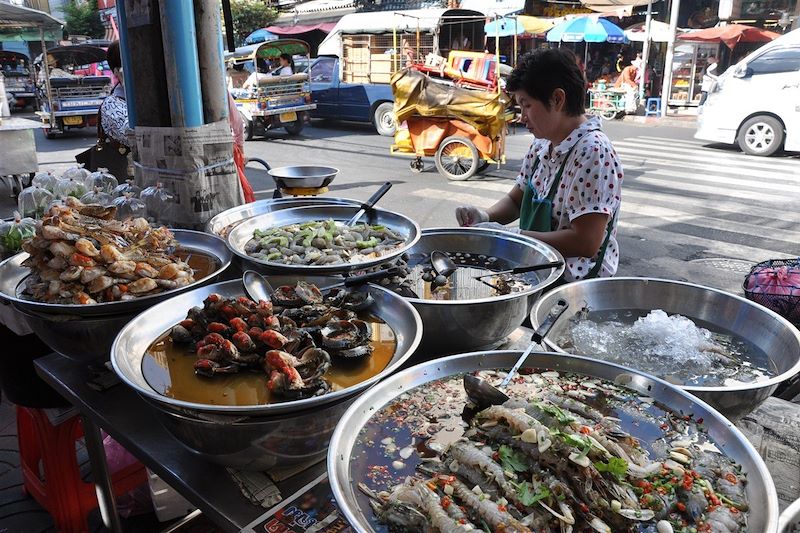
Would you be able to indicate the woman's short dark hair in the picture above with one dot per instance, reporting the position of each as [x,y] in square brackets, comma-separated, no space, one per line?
[112,56]
[541,72]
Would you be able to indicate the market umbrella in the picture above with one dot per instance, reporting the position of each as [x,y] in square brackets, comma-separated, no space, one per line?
[731,35]
[590,29]
[520,25]
[259,36]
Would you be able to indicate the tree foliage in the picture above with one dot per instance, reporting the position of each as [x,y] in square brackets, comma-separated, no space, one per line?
[82,17]
[250,15]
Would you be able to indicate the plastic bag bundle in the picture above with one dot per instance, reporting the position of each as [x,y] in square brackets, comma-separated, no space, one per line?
[128,206]
[159,202]
[45,180]
[775,284]
[33,201]
[77,173]
[97,196]
[70,187]
[14,233]
[101,179]
[126,187]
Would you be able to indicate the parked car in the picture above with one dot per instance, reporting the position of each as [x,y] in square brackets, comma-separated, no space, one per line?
[359,102]
[755,103]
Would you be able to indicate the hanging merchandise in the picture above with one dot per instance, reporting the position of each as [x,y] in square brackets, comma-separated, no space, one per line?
[159,202]
[128,206]
[33,201]
[76,172]
[45,180]
[103,179]
[97,196]
[12,234]
[126,187]
[70,187]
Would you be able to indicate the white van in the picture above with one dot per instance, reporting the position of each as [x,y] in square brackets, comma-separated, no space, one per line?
[756,103]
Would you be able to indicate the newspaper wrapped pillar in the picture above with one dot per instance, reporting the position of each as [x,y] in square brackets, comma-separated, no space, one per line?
[195,165]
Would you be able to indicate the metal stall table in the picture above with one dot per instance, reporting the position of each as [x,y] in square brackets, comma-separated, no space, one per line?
[19,159]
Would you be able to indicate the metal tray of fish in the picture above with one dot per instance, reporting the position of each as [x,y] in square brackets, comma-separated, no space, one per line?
[353,455]
[239,237]
[13,274]
[224,222]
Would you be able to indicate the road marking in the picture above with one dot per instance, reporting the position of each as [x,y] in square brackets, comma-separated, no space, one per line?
[676,216]
[722,180]
[705,146]
[717,248]
[486,186]
[774,177]
[687,142]
[636,149]
[456,197]
[681,187]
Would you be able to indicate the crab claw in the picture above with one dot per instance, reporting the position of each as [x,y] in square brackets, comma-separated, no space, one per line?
[273,339]
[205,367]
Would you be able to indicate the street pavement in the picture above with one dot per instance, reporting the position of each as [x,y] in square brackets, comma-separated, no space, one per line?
[691,211]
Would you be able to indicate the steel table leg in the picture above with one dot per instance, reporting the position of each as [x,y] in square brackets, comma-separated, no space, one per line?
[101,475]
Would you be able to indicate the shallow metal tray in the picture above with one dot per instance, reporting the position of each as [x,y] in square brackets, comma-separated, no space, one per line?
[761,493]
[303,176]
[12,274]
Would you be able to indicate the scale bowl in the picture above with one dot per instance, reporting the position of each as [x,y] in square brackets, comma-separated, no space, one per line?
[303,176]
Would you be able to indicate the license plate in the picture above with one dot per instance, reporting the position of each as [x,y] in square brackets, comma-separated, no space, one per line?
[81,103]
[288,117]
[73,121]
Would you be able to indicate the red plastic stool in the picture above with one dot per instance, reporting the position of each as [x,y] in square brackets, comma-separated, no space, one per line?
[50,469]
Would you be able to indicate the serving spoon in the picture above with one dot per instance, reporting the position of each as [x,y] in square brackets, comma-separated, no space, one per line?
[258,288]
[370,203]
[482,393]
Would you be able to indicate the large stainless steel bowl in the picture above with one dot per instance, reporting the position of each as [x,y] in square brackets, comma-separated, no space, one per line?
[243,233]
[763,499]
[789,521]
[303,176]
[86,332]
[253,436]
[755,324]
[224,222]
[454,326]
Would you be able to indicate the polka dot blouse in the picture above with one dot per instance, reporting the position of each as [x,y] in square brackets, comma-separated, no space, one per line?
[590,184]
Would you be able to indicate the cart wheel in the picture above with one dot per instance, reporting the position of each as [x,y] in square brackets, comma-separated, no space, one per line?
[294,128]
[48,132]
[457,158]
[417,165]
[610,113]
[248,128]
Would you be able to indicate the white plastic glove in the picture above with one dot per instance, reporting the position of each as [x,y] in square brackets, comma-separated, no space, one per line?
[469,215]
[497,226]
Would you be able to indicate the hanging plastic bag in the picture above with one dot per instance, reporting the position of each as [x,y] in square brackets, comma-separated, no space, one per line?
[97,196]
[45,180]
[14,234]
[102,179]
[128,206]
[126,187]
[159,202]
[33,201]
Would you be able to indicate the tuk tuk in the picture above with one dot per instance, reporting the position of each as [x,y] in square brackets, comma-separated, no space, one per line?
[265,99]
[16,70]
[68,99]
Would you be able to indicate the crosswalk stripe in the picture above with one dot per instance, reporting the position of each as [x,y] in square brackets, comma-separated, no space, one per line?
[676,216]
[682,186]
[751,178]
[704,148]
[719,248]
[685,155]
[717,204]
[486,186]
[713,155]
[667,140]
[457,197]
[721,181]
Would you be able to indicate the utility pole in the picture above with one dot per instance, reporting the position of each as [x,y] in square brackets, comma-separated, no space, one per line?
[666,85]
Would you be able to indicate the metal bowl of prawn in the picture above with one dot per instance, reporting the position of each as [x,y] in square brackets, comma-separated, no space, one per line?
[13,274]
[345,455]
[398,224]
[224,222]
[769,332]
[254,436]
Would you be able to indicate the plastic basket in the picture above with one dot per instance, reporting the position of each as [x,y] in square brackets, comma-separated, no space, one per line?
[787,305]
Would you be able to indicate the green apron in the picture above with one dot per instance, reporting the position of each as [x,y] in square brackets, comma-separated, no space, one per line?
[536,214]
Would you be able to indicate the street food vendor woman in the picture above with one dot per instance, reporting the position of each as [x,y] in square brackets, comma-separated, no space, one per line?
[567,193]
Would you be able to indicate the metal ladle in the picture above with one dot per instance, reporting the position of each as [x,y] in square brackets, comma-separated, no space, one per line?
[482,393]
[258,288]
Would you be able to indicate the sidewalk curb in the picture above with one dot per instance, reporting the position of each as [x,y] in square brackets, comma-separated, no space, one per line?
[680,121]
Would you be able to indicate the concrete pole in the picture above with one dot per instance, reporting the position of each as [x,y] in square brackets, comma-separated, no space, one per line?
[666,85]
[127,62]
[210,55]
[648,24]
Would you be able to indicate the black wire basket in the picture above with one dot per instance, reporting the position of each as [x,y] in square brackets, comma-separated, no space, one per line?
[763,286]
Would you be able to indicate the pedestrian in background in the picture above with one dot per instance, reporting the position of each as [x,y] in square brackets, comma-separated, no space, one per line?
[567,193]
[709,78]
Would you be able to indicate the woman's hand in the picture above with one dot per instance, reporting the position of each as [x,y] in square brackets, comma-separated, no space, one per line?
[469,215]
